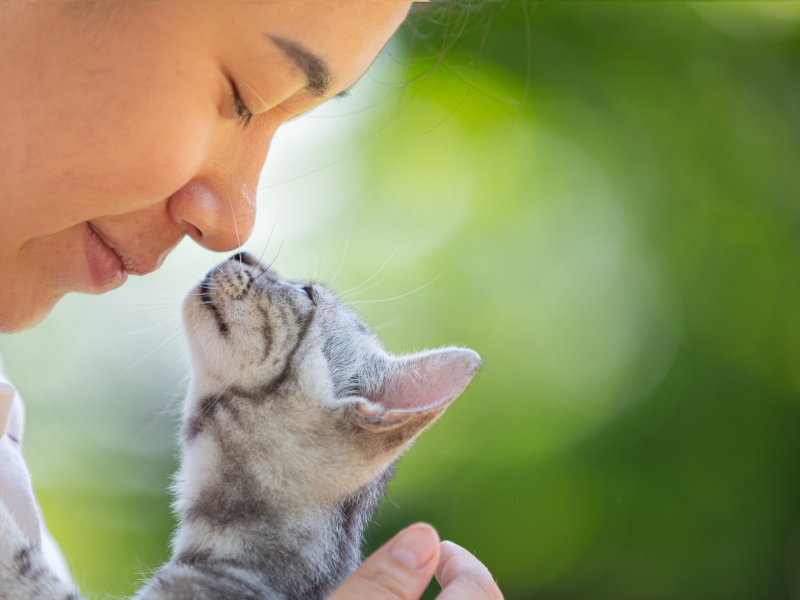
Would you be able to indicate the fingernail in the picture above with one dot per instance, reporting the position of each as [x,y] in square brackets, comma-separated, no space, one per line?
[415,547]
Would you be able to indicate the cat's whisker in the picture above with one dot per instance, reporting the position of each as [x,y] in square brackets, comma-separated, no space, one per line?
[344,252]
[146,330]
[422,287]
[216,399]
[147,308]
[168,409]
[133,310]
[385,277]
[269,239]
[166,299]
[211,286]
[272,262]
[149,355]
[277,254]
[158,303]
[388,324]
[383,266]
[235,228]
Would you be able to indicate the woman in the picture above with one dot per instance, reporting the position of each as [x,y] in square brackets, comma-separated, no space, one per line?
[127,125]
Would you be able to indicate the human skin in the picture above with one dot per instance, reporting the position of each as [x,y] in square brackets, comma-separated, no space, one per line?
[122,130]
[119,132]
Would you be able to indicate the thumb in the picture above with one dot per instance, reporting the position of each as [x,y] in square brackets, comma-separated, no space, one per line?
[399,570]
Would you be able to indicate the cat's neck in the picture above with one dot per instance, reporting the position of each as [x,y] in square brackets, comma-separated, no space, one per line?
[296,548]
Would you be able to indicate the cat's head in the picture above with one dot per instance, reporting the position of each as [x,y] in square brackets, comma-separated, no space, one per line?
[289,381]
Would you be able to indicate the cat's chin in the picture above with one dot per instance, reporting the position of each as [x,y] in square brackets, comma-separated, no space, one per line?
[201,332]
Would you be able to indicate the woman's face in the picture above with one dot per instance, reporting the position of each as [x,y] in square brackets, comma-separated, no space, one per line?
[126,125]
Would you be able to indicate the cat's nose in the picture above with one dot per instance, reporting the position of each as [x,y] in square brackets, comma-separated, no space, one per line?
[246,258]
[258,268]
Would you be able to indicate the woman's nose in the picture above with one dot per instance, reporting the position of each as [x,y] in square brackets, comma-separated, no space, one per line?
[217,207]
[217,215]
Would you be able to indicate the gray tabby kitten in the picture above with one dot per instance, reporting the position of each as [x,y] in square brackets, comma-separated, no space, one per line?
[295,417]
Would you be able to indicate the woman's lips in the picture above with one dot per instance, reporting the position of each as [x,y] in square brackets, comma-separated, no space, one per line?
[133,263]
[105,266]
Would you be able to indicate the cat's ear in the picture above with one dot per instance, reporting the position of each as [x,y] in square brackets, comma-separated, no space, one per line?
[416,389]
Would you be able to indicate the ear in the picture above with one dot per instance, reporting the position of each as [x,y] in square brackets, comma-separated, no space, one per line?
[419,387]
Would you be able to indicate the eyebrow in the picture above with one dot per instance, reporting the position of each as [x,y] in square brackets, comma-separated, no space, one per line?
[318,75]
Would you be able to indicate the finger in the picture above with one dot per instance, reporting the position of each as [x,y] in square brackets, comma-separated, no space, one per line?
[463,577]
[399,570]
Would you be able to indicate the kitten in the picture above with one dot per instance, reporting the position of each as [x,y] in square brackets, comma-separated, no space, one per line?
[294,419]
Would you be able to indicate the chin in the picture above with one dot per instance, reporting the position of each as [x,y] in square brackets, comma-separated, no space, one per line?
[95,288]
[43,270]
[23,311]
[18,316]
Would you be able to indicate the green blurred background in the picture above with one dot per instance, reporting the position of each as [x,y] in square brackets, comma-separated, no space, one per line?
[611,195]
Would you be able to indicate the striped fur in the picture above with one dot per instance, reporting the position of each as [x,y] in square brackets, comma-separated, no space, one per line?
[294,419]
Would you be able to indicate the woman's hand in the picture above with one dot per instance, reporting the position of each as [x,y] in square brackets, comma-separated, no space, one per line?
[402,568]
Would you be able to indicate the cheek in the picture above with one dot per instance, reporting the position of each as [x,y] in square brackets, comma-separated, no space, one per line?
[159,159]
[122,132]
[144,145]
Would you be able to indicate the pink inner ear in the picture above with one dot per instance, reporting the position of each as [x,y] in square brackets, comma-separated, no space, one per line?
[428,380]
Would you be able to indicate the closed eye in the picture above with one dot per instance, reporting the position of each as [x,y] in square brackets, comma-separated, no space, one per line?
[345,93]
[240,111]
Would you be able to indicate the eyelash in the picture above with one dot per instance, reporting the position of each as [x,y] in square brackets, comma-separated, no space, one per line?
[240,111]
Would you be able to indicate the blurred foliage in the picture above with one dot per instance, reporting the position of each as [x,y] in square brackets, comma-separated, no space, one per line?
[606,195]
